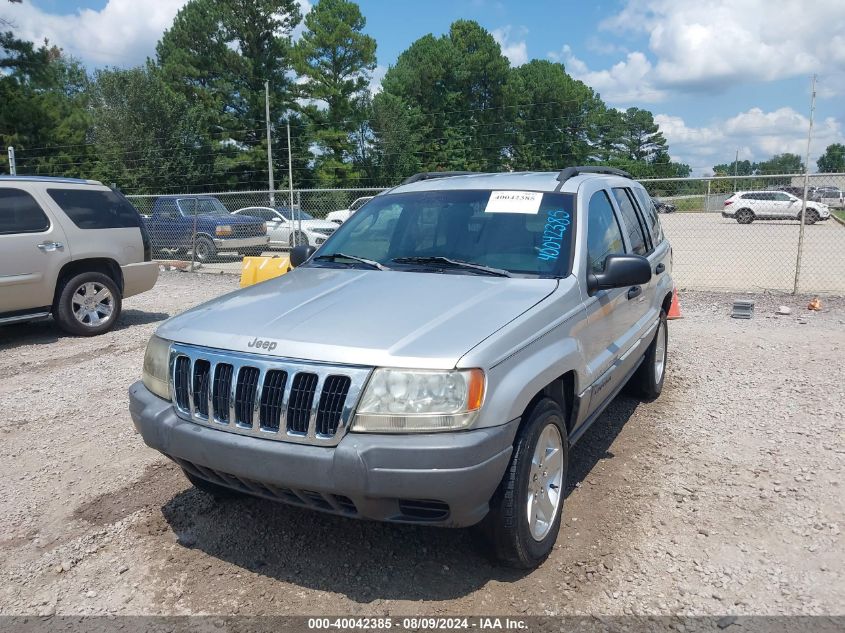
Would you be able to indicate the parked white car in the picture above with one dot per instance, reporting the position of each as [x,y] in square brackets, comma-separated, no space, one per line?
[71,248]
[283,226]
[339,217]
[747,206]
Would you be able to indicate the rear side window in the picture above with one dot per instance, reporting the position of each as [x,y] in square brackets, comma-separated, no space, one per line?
[96,209]
[20,213]
[632,222]
[651,216]
[604,237]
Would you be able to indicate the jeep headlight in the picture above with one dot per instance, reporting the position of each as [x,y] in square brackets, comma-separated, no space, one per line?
[156,367]
[419,401]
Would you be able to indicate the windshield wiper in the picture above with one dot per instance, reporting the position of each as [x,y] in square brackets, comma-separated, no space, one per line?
[354,258]
[454,263]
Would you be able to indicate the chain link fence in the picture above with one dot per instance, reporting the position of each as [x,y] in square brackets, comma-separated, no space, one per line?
[740,233]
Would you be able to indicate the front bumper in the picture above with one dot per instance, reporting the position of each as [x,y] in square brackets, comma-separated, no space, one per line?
[232,244]
[442,479]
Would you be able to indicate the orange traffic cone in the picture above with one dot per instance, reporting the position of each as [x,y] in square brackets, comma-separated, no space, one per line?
[675,308]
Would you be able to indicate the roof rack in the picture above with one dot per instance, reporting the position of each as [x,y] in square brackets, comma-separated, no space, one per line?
[430,175]
[571,172]
[61,179]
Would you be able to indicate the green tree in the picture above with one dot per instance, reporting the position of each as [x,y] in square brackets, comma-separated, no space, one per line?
[740,168]
[335,60]
[556,118]
[218,54]
[641,139]
[782,164]
[456,94]
[44,109]
[833,159]
[147,136]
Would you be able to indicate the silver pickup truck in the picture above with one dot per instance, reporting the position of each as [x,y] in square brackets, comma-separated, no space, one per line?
[432,362]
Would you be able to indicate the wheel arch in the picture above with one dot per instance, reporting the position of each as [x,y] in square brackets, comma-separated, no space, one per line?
[104,265]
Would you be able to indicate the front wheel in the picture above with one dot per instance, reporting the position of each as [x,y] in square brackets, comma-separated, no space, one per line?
[298,238]
[811,216]
[525,512]
[204,249]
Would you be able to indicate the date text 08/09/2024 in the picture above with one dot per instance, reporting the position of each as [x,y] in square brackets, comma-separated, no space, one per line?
[419,623]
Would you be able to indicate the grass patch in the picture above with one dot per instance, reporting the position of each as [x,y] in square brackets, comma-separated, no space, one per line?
[839,213]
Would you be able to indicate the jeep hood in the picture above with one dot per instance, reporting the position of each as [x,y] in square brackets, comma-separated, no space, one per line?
[361,317]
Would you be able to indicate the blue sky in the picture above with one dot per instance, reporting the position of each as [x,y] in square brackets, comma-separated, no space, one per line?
[720,75]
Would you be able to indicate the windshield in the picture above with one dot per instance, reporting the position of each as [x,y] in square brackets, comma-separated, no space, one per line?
[521,232]
[204,206]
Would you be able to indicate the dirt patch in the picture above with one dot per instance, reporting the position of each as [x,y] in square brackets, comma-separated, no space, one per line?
[159,483]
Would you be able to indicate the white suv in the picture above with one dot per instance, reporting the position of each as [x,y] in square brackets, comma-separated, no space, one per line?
[747,206]
[71,248]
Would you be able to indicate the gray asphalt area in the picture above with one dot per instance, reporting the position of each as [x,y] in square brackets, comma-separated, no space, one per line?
[725,495]
[712,252]
[716,253]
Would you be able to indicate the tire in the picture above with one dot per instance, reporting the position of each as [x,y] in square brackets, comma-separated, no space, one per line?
[506,528]
[204,249]
[811,216]
[297,238]
[88,304]
[647,381]
[745,216]
[253,252]
[215,490]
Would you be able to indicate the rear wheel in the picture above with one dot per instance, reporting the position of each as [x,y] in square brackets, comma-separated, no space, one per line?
[745,216]
[525,512]
[88,304]
[647,382]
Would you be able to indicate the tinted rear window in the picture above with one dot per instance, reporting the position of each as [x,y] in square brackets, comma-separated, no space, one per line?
[20,213]
[96,209]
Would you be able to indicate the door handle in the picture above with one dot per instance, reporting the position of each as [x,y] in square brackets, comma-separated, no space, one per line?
[660,268]
[634,291]
[49,247]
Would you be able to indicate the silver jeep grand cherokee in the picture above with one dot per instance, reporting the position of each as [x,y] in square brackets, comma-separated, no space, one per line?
[432,362]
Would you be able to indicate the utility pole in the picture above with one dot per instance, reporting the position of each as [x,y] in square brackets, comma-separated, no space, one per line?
[290,181]
[269,144]
[736,167]
[806,187]
[12,169]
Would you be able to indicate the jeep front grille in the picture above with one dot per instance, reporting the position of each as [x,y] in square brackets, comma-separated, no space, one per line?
[280,399]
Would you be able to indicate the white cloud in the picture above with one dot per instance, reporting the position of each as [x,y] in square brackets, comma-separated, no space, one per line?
[710,45]
[758,135]
[516,50]
[376,77]
[626,81]
[122,33]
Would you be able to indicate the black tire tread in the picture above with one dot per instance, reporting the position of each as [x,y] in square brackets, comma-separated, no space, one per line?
[500,527]
[63,312]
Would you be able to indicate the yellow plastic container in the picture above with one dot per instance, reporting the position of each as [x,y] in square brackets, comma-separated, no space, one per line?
[257,269]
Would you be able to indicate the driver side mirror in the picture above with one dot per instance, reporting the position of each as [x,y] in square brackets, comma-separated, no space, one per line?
[299,254]
[620,271]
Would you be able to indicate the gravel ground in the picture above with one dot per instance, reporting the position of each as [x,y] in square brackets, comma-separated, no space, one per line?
[723,496]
